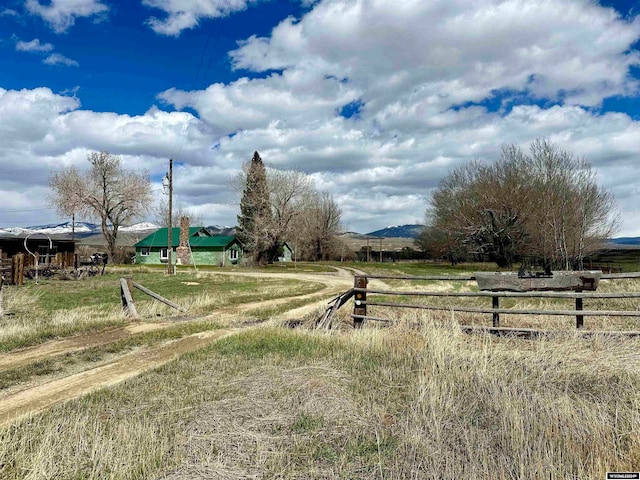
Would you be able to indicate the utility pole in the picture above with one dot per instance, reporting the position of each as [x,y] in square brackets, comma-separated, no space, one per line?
[170,247]
[167,181]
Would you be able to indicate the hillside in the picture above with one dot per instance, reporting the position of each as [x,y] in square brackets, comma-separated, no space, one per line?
[399,231]
[82,229]
[357,241]
[625,241]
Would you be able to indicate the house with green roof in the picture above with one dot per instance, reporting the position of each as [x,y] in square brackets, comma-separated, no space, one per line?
[190,245]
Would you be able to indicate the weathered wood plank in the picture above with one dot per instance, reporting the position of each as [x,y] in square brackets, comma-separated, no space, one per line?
[359,304]
[158,297]
[375,319]
[467,278]
[127,300]
[504,294]
[521,332]
[572,313]
[531,332]
[616,276]
[325,321]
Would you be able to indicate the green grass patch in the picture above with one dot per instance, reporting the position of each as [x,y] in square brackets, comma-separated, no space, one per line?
[55,308]
[417,268]
[256,345]
[104,292]
[306,422]
[19,375]
[43,330]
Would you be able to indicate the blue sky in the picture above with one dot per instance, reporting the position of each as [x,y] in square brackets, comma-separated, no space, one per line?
[122,63]
[376,100]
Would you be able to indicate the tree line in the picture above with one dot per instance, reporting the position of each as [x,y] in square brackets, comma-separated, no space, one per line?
[276,206]
[542,207]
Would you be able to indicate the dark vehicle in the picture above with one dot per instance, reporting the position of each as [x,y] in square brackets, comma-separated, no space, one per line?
[99,258]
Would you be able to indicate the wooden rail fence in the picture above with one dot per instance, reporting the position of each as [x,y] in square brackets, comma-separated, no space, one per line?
[361,303]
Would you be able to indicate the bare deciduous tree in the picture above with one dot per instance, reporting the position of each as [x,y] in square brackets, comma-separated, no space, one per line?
[546,206]
[161,215]
[107,192]
[291,193]
[317,227]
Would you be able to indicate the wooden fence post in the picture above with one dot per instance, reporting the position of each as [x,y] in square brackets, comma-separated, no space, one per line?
[158,297]
[579,318]
[127,300]
[1,292]
[495,303]
[17,269]
[360,306]
[130,285]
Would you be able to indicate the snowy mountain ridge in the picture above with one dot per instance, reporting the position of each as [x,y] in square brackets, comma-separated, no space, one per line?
[82,229]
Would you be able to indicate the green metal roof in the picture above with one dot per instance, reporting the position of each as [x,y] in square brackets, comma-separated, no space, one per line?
[217,241]
[160,238]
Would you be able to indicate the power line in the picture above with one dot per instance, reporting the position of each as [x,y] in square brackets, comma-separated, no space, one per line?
[204,76]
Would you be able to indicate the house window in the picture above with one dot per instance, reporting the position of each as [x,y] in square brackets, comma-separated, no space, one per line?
[144,251]
[164,253]
[233,254]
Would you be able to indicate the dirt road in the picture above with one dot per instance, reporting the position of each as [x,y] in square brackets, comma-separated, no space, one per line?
[37,398]
[24,356]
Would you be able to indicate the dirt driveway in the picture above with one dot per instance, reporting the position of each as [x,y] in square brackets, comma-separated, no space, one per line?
[32,399]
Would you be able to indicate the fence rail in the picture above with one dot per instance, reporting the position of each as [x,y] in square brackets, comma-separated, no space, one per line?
[467,278]
[360,292]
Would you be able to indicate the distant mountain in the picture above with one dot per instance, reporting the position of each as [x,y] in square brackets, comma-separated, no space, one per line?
[82,229]
[139,227]
[356,236]
[625,241]
[399,231]
[220,230]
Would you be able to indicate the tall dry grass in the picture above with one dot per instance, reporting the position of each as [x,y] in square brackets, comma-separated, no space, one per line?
[376,403]
[547,408]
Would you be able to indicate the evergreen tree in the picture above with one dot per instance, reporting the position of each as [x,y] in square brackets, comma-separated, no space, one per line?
[255,219]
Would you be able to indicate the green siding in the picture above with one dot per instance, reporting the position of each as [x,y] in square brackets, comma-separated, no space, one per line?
[204,257]
[153,258]
[286,255]
[199,256]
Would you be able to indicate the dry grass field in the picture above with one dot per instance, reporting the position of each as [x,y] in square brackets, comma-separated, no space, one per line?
[393,403]
[416,400]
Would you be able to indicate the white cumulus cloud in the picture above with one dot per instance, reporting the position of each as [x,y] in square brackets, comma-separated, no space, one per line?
[62,14]
[59,59]
[445,52]
[377,100]
[33,46]
[186,14]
